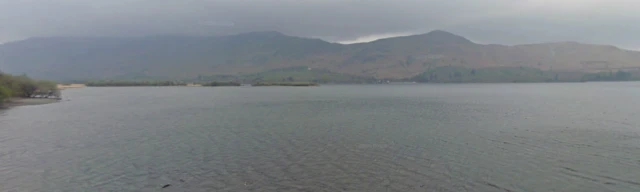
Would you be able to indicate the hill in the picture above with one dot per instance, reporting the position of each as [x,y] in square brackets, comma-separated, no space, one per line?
[262,54]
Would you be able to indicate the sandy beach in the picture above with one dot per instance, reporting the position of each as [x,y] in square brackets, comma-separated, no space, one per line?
[70,86]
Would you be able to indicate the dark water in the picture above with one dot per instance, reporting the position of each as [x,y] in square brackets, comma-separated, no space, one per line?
[484,137]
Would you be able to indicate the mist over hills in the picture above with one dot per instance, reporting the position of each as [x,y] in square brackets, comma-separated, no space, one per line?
[261,54]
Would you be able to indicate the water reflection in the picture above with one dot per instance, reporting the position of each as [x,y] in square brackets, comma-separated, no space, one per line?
[506,137]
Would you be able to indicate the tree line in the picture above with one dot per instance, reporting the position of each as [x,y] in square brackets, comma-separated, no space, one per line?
[608,76]
[220,84]
[23,86]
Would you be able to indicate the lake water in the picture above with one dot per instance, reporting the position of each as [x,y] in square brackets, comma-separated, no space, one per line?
[465,137]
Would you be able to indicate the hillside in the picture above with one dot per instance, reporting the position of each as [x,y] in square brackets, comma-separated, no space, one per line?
[251,54]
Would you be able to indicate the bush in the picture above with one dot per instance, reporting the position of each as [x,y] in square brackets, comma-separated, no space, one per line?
[4,93]
[23,86]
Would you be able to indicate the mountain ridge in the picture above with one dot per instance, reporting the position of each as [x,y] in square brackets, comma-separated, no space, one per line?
[184,57]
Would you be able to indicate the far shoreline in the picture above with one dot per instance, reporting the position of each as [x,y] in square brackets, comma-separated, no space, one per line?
[311,84]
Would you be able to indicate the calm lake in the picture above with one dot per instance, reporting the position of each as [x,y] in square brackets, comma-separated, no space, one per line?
[448,137]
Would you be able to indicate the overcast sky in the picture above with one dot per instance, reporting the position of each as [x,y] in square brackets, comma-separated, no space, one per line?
[485,21]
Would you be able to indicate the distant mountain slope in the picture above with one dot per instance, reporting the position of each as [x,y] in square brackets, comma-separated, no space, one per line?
[185,57]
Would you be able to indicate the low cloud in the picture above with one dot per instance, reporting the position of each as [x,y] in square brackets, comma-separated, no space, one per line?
[344,21]
[369,38]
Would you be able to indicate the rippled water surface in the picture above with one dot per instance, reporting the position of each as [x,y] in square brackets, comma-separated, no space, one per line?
[471,137]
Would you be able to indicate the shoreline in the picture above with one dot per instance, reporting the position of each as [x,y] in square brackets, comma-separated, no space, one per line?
[306,84]
[17,102]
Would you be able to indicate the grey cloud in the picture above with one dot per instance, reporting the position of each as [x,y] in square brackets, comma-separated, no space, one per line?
[485,21]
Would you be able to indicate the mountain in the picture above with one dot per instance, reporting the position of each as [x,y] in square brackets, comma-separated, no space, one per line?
[162,56]
[191,57]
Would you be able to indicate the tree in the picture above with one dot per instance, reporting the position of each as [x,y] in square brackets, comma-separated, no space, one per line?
[623,76]
[23,86]
[48,88]
[4,93]
[457,74]
[28,89]
[409,60]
